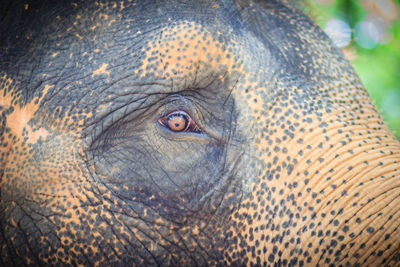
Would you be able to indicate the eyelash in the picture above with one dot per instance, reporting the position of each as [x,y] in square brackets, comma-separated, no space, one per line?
[190,124]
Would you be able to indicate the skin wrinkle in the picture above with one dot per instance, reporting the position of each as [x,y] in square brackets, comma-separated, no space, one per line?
[167,176]
[99,247]
[113,122]
[165,204]
[259,102]
[169,241]
[158,164]
[185,248]
[393,254]
[127,240]
[336,166]
[363,230]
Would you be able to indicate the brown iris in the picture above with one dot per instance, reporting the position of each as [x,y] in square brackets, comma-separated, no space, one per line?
[179,121]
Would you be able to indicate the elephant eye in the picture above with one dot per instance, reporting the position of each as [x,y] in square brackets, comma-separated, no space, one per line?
[179,121]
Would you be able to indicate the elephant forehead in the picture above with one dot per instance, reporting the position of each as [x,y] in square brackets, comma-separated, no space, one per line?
[191,55]
[187,50]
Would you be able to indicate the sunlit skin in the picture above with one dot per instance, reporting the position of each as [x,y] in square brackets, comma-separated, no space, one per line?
[188,133]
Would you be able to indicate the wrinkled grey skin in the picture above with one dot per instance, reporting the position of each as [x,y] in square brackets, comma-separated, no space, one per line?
[282,160]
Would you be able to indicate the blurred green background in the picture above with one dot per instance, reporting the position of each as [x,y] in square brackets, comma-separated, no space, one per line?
[368,31]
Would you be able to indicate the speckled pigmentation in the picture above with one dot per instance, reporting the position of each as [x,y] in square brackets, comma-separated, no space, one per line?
[290,164]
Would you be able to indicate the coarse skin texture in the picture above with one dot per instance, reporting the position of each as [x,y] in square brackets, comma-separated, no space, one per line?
[292,166]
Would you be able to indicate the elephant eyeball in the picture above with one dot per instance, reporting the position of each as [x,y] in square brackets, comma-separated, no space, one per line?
[179,121]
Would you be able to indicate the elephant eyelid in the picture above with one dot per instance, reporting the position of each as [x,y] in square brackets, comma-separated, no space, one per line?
[179,121]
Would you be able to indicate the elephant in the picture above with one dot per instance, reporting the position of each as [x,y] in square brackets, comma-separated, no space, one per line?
[188,133]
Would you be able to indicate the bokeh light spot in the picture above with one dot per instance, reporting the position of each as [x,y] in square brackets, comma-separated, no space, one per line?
[372,31]
[339,31]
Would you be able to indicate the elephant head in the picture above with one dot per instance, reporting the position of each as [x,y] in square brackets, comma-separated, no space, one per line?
[188,133]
